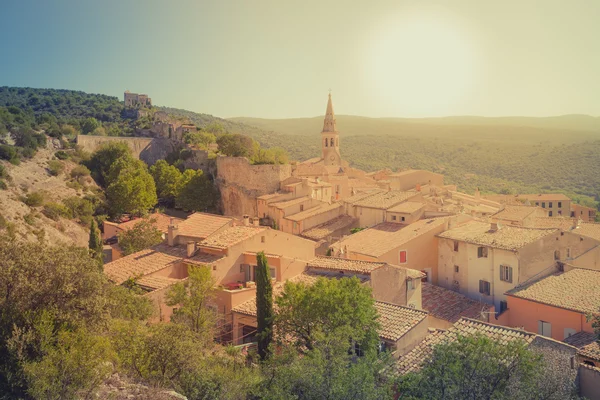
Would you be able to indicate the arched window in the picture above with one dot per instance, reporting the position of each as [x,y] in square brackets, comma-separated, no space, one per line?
[325,142]
[557,254]
[331,144]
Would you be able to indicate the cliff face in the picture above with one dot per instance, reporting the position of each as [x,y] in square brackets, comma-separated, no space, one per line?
[149,150]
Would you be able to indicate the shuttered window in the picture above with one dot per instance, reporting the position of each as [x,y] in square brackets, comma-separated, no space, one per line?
[506,273]
[484,287]
[402,257]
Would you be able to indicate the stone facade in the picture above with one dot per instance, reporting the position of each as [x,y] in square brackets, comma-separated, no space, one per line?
[136,100]
[149,150]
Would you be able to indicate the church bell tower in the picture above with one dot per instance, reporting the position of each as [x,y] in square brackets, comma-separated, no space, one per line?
[330,138]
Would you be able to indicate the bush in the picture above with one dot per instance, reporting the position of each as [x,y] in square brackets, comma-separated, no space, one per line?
[55,167]
[27,152]
[34,199]
[79,172]
[30,218]
[74,185]
[61,155]
[80,208]
[3,171]
[55,210]
[8,153]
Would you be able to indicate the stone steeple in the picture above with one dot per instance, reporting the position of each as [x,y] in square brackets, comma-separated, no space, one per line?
[329,123]
[330,138]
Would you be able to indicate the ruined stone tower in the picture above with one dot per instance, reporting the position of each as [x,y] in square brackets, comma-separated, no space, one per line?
[330,138]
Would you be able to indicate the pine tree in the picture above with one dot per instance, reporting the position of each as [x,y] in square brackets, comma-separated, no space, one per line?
[264,305]
[95,243]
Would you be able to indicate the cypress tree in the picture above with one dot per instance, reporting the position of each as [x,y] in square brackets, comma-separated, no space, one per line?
[264,305]
[95,243]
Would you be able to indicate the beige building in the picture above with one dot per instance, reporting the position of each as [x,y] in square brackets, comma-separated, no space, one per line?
[519,215]
[586,214]
[136,100]
[373,209]
[483,261]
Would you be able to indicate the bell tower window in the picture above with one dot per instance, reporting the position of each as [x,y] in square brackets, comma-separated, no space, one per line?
[331,143]
[325,142]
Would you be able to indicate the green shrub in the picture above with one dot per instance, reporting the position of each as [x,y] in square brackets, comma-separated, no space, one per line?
[79,172]
[55,167]
[34,199]
[28,152]
[80,208]
[8,153]
[74,185]
[3,171]
[61,155]
[3,185]
[30,218]
[56,210]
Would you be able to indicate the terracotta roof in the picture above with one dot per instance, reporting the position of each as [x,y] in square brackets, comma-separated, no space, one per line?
[515,213]
[449,305]
[413,360]
[343,264]
[313,211]
[591,350]
[150,260]
[269,196]
[407,207]
[161,222]
[545,197]
[322,231]
[362,195]
[231,236]
[156,282]
[385,200]
[589,229]
[581,339]
[507,237]
[202,225]
[288,203]
[397,321]
[575,290]
[385,237]
[563,223]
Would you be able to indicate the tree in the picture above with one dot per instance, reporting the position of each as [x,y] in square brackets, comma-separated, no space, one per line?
[264,305]
[103,158]
[89,125]
[95,242]
[236,145]
[143,235]
[131,189]
[192,298]
[168,180]
[331,308]
[197,192]
[201,139]
[479,367]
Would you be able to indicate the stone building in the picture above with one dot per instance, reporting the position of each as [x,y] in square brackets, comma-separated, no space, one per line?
[136,100]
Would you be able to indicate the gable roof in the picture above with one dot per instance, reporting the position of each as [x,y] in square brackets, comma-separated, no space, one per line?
[202,225]
[396,321]
[328,228]
[515,213]
[313,211]
[288,203]
[591,350]
[589,229]
[232,236]
[575,290]
[407,207]
[362,195]
[356,266]
[449,305]
[581,339]
[413,360]
[150,260]
[385,200]
[563,223]
[387,236]
[506,238]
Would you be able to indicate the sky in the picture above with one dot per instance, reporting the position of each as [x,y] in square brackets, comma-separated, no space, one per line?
[279,59]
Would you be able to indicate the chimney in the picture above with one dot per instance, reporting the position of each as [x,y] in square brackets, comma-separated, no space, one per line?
[190,249]
[495,227]
[256,221]
[172,233]
[246,220]
[418,187]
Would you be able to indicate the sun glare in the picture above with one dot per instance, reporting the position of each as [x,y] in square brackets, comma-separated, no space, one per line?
[420,65]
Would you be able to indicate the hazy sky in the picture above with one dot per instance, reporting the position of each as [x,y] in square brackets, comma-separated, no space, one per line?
[279,58]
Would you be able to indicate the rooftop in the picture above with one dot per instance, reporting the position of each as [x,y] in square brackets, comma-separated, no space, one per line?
[385,237]
[156,282]
[449,305]
[159,220]
[320,232]
[575,290]
[563,223]
[591,350]
[362,195]
[506,238]
[407,207]
[150,260]
[385,200]
[231,236]
[343,264]
[545,197]
[396,321]
[202,225]
[413,360]
[313,211]
[515,213]
[581,339]
[589,229]
[292,202]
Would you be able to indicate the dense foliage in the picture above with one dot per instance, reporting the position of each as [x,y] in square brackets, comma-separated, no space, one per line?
[143,235]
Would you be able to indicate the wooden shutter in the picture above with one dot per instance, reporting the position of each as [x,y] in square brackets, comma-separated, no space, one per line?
[509,274]
[402,256]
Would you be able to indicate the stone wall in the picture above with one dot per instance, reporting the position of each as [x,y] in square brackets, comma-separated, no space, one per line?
[148,150]
[240,183]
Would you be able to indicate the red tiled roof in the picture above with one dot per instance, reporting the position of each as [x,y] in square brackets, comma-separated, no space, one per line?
[202,225]
[449,305]
[232,236]
[396,321]
[161,221]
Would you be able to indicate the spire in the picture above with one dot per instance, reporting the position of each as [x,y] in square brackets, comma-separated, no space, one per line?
[329,123]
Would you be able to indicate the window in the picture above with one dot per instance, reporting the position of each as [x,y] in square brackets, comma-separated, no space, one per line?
[263,239]
[572,214]
[559,204]
[403,219]
[410,284]
[543,204]
[456,269]
[273,272]
[393,217]
[557,254]
[506,273]
[402,257]
[484,287]
[537,203]
[545,328]
[503,306]
[301,207]
[482,252]
[568,252]
[549,213]
[559,212]
[326,142]
[331,143]
[550,205]
[455,245]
